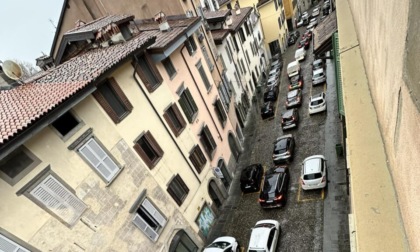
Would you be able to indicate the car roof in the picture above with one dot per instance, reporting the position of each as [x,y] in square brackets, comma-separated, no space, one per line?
[317,61]
[293,63]
[317,96]
[319,70]
[259,235]
[287,113]
[292,93]
[312,165]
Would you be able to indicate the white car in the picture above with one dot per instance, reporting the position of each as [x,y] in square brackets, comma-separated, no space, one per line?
[315,12]
[314,172]
[223,244]
[264,236]
[318,76]
[317,103]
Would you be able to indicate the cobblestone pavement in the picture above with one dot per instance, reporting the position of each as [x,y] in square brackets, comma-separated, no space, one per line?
[310,221]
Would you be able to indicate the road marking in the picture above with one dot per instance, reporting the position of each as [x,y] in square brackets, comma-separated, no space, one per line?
[299,200]
[242,249]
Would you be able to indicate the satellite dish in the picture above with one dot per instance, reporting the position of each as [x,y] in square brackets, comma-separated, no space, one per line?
[12,70]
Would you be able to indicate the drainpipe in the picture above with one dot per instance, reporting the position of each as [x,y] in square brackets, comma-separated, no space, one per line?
[160,119]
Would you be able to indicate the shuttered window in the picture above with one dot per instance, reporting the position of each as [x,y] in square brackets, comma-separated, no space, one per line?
[169,67]
[98,158]
[220,111]
[197,158]
[113,100]
[206,56]
[148,149]
[149,220]
[188,105]
[208,142]
[203,76]
[59,200]
[7,245]
[191,45]
[148,72]
[178,189]
[174,119]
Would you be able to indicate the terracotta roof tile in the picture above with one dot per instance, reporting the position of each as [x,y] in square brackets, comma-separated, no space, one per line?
[21,106]
[100,23]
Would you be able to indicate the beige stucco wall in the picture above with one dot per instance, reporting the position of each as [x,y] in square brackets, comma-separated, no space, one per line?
[381,28]
[108,206]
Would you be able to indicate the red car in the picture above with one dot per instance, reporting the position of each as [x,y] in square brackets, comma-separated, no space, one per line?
[307,34]
[305,42]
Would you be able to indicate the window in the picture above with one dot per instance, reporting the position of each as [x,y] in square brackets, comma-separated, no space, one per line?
[178,190]
[99,159]
[174,119]
[243,65]
[229,53]
[8,245]
[170,69]
[148,72]
[246,28]
[197,158]
[66,125]
[191,45]
[203,76]
[235,43]
[247,57]
[206,56]
[149,220]
[188,105]
[48,191]
[182,243]
[220,111]
[112,99]
[276,4]
[230,50]
[17,165]
[148,149]
[224,95]
[242,35]
[208,142]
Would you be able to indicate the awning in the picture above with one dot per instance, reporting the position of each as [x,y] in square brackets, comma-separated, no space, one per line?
[323,34]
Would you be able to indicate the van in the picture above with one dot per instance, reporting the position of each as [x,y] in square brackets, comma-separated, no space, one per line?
[293,68]
[300,54]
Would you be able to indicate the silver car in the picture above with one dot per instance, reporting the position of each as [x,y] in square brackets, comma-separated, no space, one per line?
[318,76]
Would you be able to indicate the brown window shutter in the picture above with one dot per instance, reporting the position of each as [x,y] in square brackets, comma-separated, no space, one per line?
[181,182]
[120,94]
[179,115]
[143,77]
[105,105]
[173,195]
[143,156]
[154,69]
[171,125]
[153,143]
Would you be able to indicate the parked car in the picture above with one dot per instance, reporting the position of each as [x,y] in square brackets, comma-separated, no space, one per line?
[315,12]
[275,186]
[317,64]
[294,98]
[311,26]
[314,172]
[307,34]
[305,15]
[264,236]
[276,64]
[300,54]
[299,23]
[273,81]
[294,34]
[305,43]
[291,41]
[271,94]
[296,82]
[293,69]
[223,244]
[290,119]
[317,103]
[251,178]
[267,110]
[283,151]
[318,76]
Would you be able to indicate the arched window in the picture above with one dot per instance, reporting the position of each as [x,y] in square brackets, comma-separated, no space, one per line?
[182,243]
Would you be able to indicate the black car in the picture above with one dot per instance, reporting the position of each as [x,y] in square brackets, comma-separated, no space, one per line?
[251,178]
[296,82]
[267,110]
[291,41]
[284,148]
[290,119]
[294,98]
[274,191]
[271,93]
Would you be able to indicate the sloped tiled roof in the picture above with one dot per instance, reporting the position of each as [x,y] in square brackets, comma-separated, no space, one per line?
[95,25]
[219,35]
[164,39]
[237,20]
[216,14]
[222,2]
[22,106]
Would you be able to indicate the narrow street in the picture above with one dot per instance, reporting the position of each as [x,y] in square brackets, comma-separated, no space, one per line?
[311,220]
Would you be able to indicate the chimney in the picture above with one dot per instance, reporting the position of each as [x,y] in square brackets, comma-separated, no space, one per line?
[237,9]
[163,22]
[45,62]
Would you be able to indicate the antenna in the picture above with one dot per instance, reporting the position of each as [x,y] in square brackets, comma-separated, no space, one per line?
[12,70]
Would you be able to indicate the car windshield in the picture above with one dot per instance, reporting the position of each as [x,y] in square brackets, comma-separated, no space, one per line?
[312,176]
[316,102]
[318,75]
[221,245]
[281,146]
[287,114]
[270,184]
